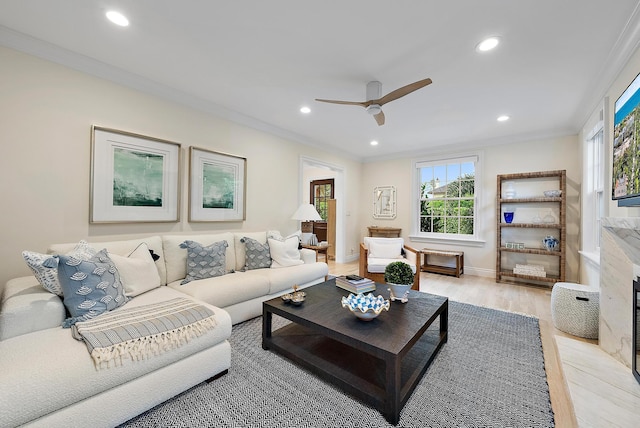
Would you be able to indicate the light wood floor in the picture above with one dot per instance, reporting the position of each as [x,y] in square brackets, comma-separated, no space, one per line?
[588,388]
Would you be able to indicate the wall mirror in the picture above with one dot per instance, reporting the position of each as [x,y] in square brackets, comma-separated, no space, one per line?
[384,202]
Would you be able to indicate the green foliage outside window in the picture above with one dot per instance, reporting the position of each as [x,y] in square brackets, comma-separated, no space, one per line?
[453,211]
[321,196]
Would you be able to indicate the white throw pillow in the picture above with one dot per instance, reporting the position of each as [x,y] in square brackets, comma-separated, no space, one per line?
[48,278]
[274,234]
[138,272]
[284,253]
[385,250]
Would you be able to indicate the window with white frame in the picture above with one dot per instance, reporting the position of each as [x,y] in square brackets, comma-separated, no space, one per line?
[595,201]
[446,196]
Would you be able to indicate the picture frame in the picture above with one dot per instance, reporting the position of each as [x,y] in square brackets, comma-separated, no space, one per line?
[217,186]
[134,178]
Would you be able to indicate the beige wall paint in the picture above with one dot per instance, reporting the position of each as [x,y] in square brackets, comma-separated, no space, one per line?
[539,155]
[46,113]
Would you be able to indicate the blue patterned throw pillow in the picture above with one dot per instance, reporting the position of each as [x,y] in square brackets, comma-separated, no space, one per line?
[204,262]
[91,287]
[257,255]
[47,277]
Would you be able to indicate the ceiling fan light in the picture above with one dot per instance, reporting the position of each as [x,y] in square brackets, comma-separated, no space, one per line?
[374,109]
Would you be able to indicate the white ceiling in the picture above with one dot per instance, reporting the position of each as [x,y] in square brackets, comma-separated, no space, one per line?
[257,62]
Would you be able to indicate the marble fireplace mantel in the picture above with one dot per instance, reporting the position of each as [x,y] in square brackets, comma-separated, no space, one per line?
[619,265]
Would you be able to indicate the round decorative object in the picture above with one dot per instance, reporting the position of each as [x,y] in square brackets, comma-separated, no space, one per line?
[509,192]
[575,309]
[399,292]
[551,243]
[296,298]
[287,298]
[552,193]
[365,307]
[508,216]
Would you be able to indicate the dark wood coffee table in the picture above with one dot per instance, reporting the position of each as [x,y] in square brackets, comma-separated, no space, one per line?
[379,361]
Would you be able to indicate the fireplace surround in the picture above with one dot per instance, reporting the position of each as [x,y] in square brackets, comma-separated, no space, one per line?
[635,357]
[619,267]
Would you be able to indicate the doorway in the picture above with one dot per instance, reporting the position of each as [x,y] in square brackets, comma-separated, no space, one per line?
[315,170]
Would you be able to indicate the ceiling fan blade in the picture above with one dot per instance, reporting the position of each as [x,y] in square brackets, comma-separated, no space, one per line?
[401,92]
[352,103]
[379,118]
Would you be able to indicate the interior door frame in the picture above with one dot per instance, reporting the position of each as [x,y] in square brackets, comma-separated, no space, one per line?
[339,195]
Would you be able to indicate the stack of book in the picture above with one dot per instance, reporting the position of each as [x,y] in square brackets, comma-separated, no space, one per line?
[355,284]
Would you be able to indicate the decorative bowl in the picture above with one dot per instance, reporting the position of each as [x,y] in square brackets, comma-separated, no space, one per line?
[298,297]
[287,298]
[552,193]
[366,307]
[295,298]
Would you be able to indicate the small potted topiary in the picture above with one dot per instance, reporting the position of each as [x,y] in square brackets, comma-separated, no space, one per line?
[399,277]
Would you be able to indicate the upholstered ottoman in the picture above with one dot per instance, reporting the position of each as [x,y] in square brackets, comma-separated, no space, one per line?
[575,309]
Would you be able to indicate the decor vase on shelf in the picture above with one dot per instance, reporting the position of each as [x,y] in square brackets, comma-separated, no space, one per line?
[399,278]
[550,243]
[509,192]
[508,216]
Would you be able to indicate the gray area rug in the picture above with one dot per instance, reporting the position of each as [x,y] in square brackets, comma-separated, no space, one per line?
[490,373]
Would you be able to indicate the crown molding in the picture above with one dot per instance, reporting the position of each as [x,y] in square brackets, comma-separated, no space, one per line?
[626,45]
[48,51]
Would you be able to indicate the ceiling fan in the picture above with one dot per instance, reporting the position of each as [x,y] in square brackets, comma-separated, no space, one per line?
[374,102]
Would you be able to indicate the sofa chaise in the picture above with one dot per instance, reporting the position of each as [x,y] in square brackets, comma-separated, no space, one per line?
[49,379]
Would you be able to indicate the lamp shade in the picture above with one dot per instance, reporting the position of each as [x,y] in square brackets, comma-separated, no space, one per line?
[306,212]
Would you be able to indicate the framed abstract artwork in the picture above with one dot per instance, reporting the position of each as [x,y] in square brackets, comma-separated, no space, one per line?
[217,186]
[134,178]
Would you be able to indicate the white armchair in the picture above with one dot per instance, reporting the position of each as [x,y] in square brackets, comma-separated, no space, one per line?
[377,253]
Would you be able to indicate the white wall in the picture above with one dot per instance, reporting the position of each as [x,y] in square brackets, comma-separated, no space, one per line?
[46,113]
[590,268]
[539,155]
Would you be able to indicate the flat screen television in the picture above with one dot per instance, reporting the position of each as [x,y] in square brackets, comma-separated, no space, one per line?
[625,173]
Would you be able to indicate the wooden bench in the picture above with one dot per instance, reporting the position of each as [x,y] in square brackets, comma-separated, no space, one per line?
[447,270]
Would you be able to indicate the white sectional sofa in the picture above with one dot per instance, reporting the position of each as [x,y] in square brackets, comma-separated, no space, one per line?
[49,379]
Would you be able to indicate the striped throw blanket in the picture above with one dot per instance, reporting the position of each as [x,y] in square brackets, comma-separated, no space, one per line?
[143,331]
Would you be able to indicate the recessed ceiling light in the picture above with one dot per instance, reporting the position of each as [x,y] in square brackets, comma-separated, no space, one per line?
[487,44]
[117,18]
[305,110]
[503,118]
[374,143]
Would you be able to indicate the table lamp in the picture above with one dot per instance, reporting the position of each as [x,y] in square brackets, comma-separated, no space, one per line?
[307,212]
